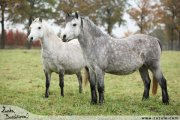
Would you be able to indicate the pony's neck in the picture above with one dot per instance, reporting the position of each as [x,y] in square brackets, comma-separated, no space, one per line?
[90,33]
[88,25]
[49,39]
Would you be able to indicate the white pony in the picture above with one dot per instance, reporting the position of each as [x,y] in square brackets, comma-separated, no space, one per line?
[57,56]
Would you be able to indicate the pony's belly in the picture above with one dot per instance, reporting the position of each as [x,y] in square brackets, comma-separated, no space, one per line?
[72,71]
[73,66]
[123,64]
[120,72]
[123,69]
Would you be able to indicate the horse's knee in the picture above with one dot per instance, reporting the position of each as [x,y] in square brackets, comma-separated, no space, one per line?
[80,89]
[147,84]
[47,84]
[93,92]
[101,93]
[61,78]
[146,80]
[146,90]
[79,76]
[161,80]
[163,83]
[165,96]
[61,84]
[47,79]
[101,89]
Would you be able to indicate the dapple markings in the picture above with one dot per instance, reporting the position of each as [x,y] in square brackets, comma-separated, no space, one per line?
[105,54]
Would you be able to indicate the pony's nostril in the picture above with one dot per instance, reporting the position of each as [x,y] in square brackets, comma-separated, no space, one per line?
[64,36]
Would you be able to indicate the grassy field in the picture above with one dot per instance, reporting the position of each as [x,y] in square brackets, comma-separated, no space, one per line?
[22,83]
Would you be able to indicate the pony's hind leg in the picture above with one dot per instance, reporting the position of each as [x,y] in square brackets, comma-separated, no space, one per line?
[157,74]
[146,80]
[79,77]
[48,79]
[61,82]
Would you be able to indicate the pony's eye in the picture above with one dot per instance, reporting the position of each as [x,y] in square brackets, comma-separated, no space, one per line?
[39,27]
[74,24]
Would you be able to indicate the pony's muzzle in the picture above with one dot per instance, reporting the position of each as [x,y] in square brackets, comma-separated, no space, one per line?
[64,38]
[30,39]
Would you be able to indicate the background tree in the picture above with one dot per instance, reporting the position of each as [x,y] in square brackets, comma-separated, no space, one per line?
[143,15]
[170,9]
[111,12]
[10,38]
[84,7]
[4,8]
[161,35]
[23,11]
[103,12]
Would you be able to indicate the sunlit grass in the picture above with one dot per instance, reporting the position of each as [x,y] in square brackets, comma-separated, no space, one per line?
[22,83]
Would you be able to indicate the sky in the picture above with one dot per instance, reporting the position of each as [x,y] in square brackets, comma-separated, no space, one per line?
[130,26]
[117,31]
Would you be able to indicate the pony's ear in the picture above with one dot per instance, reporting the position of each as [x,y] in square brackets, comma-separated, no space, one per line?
[40,19]
[76,15]
[36,20]
[32,19]
[67,15]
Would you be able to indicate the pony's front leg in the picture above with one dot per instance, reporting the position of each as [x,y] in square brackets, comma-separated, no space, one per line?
[100,84]
[79,76]
[93,86]
[48,79]
[61,82]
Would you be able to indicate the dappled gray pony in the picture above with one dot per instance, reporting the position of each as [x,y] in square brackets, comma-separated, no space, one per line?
[57,56]
[105,54]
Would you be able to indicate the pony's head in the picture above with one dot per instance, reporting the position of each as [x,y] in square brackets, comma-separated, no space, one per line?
[36,31]
[72,28]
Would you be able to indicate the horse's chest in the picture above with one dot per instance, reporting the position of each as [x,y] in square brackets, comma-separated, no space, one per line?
[50,63]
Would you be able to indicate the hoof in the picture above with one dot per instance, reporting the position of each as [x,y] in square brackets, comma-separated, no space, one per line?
[145,98]
[80,90]
[46,95]
[166,102]
[93,102]
[101,103]
[62,95]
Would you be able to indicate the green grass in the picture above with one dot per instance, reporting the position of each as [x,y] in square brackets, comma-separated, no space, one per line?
[22,83]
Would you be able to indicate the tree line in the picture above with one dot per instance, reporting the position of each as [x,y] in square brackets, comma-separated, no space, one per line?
[18,39]
[160,18]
